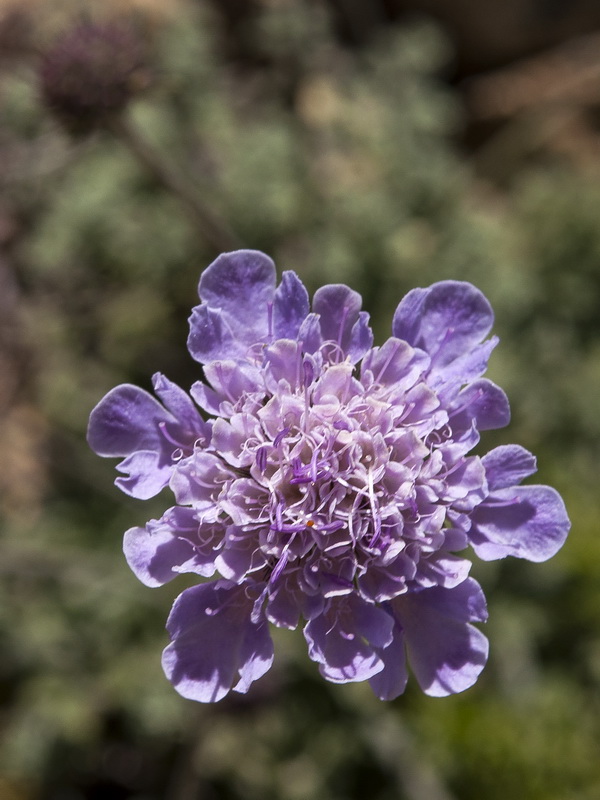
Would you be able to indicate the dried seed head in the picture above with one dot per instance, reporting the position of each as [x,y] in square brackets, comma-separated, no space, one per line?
[91,72]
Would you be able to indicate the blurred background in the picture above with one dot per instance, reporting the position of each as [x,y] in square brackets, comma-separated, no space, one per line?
[386,144]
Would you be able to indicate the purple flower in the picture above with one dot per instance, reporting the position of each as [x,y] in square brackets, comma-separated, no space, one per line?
[331,485]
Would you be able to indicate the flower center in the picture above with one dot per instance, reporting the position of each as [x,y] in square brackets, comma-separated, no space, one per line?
[338,486]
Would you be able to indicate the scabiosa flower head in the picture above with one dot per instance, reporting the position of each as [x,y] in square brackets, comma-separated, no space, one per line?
[91,72]
[322,481]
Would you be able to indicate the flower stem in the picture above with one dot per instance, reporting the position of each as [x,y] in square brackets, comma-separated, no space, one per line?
[211,228]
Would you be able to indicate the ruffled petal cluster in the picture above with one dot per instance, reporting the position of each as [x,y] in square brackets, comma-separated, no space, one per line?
[324,482]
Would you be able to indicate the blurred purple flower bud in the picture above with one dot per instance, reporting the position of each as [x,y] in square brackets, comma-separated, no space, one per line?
[91,72]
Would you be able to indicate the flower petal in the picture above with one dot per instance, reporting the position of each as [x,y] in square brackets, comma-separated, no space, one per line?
[406,323]
[148,472]
[230,439]
[215,645]
[283,608]
[343,639]
[391,681]
[396,364]
[197,481]
[283,361]
[443,569]
[181,406]
[466,484]
[361,338]
[447,379]
[338,307]
[167,547]
[446,320]
[291,306]
[445,652]
[211,336]
[127,419]
[482,402]
[232,381]
[508,465]
[524,521]
[310,333]
[242,285]
[239,555]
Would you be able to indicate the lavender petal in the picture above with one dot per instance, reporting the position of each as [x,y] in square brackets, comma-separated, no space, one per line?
[361,338]
[181,407]
[338,307]
[215,646]
[445,652]
[241,284]
[211,336]
[167,547]
[148,472]
[291,306]
[344,639]
[481,402]
[446,320]
[126,420]
[524,521]
[508,465]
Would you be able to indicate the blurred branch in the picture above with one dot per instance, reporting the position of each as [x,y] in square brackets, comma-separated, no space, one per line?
[531,130]
[213,229]
[568,74]
[539,103]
